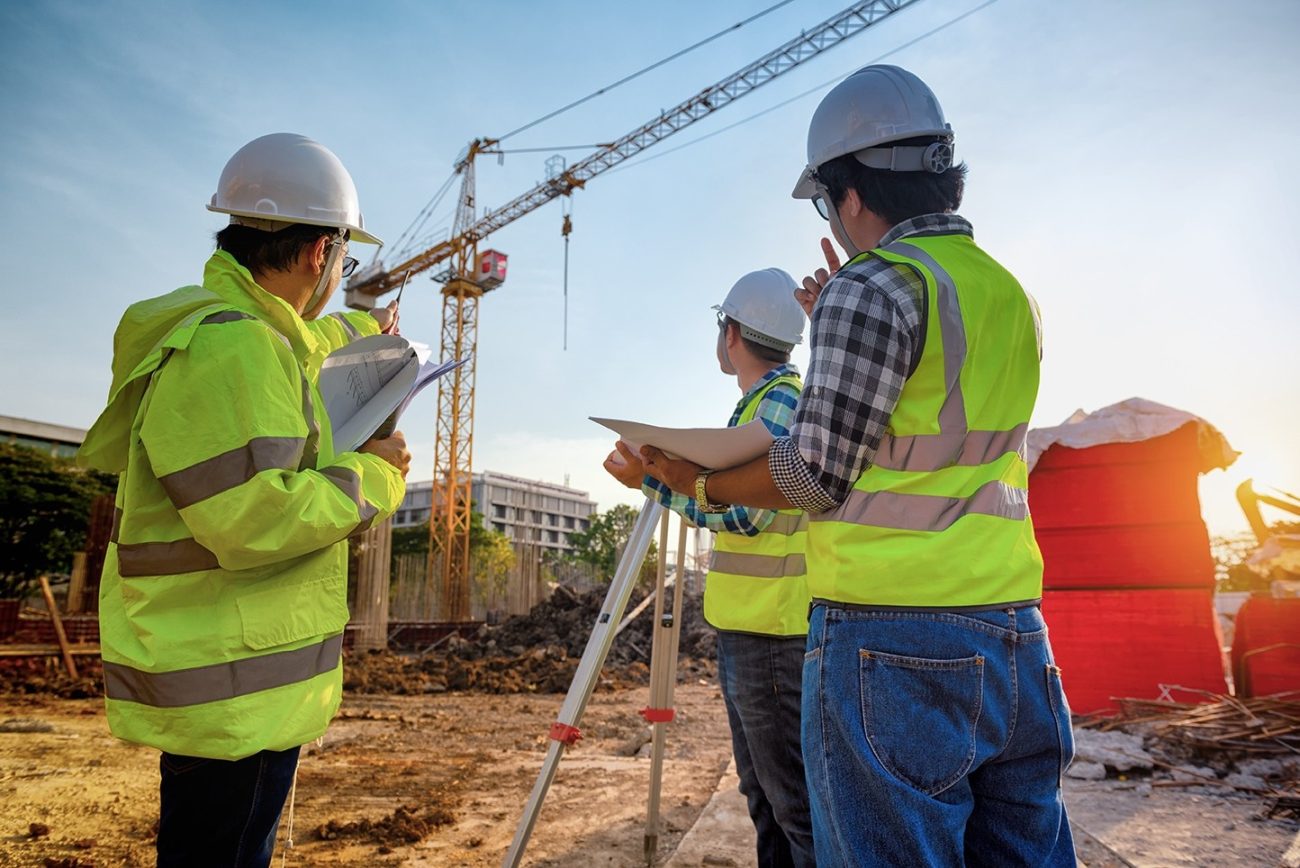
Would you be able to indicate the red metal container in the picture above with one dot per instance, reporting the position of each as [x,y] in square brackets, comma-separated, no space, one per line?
[1122,515]
[1266,647]
[1127,643]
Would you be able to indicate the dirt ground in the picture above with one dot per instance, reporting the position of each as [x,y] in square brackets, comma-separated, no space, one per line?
[456,769]
[441,780]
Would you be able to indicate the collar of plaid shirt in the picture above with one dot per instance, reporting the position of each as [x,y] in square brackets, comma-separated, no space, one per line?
[778,371]
[928,224]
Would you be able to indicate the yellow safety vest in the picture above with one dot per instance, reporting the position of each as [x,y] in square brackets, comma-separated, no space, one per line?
[756,583]
[224,592]
[941,516]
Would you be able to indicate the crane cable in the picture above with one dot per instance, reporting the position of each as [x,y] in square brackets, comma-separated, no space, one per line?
[799,96]
[422,218]
[625,79]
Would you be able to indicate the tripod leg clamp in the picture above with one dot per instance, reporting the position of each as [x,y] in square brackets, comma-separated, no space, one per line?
[658,715]
[562,732]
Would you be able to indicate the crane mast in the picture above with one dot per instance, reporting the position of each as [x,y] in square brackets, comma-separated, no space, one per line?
[450,516]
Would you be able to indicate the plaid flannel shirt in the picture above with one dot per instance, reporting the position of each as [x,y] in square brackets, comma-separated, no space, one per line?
[868,330]
[777,411]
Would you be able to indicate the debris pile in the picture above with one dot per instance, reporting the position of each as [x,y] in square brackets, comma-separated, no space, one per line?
[409,824]
[566,619]
[534,653]
[1222,746]
[46,676]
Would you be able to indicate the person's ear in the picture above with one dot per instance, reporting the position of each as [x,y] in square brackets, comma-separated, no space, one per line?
[317,253]
[852,205]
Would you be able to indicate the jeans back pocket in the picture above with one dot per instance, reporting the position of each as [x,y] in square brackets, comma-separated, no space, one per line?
[919,716]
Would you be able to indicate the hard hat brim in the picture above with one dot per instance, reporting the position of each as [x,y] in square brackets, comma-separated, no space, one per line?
[806,187]
[355,233]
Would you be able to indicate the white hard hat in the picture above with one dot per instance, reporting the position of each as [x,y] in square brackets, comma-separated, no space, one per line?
[872,107]
[285,178]
[763,303]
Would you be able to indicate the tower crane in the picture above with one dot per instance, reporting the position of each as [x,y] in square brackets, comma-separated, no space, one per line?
[468,275]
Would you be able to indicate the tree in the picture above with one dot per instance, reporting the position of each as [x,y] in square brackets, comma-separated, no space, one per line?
[490,551]
[44,505]
[601,544]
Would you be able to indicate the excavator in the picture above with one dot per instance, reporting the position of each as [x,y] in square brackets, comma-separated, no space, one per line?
[1278,555]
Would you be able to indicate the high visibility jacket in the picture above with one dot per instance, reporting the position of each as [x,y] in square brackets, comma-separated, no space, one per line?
[224,593]
[756,583]
[941,518]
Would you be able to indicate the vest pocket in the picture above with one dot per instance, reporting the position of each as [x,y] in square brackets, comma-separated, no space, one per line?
[283,615]
[919,716]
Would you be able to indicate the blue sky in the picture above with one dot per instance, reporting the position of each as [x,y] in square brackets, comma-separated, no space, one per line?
[1130,162]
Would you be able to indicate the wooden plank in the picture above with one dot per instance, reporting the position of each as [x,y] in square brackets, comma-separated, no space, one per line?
[58,627]
[79,650]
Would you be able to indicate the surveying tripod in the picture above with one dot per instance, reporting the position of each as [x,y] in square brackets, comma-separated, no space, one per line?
[663,672]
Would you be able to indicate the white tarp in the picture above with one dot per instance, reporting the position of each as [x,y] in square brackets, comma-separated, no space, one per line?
[1131,421]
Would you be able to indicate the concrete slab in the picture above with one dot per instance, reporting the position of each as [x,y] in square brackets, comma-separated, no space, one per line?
[723,834]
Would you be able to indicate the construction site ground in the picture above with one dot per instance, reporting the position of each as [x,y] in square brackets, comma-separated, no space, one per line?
[441,779]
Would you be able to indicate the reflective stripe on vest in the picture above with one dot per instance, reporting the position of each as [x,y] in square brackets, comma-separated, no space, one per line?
[942,519]
[221,680]
[348,327]
[756,583]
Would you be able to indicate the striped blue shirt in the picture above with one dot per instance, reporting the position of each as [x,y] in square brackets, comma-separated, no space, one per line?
[777,412]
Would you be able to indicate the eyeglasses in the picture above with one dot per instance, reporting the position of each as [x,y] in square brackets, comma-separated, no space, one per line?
[823,208]
[350,264]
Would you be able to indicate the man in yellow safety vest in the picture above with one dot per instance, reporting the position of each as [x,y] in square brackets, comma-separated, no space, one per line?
[756,595]
[224,594]
[934,723]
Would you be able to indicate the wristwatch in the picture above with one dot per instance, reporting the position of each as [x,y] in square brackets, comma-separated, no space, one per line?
[702,498]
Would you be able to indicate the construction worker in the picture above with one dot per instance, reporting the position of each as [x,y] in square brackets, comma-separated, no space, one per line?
[224,592]
[755,594]
[934,722]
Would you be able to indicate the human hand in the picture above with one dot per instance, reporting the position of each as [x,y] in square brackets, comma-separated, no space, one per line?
[387,318]
[815,283]
[625,465]
[676,473]
[392,449]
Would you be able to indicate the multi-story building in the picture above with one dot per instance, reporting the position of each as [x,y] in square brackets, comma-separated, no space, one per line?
[45,437]
[525,510]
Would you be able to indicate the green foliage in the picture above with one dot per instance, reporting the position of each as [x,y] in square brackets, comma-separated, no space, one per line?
[602,542]
[491,554]
[415,539]
[44,507]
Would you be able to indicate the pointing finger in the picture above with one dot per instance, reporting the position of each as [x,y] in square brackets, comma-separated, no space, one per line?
[832,258]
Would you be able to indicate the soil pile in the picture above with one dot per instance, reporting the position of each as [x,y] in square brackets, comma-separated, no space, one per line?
[409,824]
[536,653]
[567,617]
[46,676]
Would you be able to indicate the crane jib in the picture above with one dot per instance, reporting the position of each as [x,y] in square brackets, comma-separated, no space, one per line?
[780,60]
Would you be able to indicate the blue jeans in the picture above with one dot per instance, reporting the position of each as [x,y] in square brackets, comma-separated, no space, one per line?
[760,678]
[935,738]
[221,812]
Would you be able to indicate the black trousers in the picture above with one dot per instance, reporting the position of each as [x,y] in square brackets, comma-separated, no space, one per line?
[221,812]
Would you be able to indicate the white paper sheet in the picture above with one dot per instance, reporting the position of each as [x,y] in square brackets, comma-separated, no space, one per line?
[715,448]
[371,379]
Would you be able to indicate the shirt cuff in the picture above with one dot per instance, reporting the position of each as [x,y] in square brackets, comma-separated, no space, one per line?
[794,479]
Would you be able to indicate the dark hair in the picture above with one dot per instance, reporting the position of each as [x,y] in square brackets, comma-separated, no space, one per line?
[261,252]
[761,351]
[895,196]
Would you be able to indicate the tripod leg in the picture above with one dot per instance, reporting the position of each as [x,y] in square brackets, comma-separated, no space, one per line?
[564,732]
[663,677]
